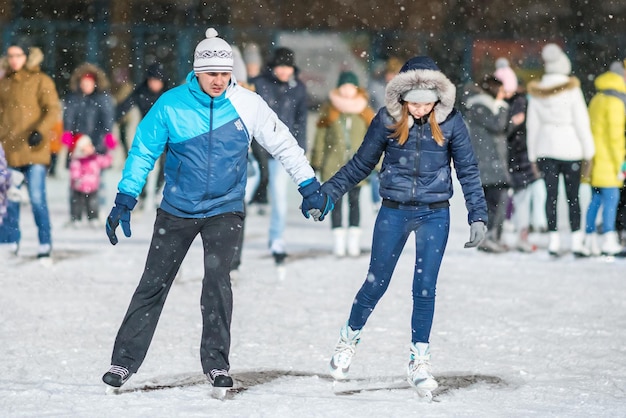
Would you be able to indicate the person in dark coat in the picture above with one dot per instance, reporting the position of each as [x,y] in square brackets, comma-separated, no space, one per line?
[522,172]
[286,95]
[487,116]
[143,97]
[89,108]
[420,133]
[146,93]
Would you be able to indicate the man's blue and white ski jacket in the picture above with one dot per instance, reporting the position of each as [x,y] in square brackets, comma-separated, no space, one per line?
[206,140]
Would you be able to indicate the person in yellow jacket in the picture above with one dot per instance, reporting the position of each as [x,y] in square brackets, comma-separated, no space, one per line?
[341,127]
[607,114]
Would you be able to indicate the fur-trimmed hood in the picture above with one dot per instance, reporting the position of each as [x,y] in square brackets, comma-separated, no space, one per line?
[420,73]
[102,81]
[547,88]
[33,62]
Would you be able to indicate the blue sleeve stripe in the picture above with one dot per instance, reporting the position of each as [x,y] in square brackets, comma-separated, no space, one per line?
[306,182]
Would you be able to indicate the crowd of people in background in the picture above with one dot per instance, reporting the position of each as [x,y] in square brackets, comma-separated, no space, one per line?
[532,141]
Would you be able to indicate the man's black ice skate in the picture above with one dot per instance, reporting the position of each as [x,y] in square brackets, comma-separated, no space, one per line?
[221,381]
[116,377]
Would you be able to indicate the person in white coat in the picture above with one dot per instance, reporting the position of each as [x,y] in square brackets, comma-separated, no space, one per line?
[559,141]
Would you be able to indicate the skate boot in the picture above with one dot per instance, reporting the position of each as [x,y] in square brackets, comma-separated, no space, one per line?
[554,244]
[523,245]
[578,248]
[339,246]
[277,247]
[610,244]
[344,351]
[354,241]
[591,243]
[221,382]
[418,370]
[116,377]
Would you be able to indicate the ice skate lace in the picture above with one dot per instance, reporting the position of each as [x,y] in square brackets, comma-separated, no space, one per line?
[120,371]
[420,369]
[217,372]
[344,351]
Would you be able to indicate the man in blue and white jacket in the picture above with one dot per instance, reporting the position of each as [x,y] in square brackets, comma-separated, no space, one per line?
[205,127]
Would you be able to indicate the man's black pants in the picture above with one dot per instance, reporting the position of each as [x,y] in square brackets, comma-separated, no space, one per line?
[171,239]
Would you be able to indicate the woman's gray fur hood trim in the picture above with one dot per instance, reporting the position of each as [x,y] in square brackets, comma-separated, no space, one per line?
[420,78]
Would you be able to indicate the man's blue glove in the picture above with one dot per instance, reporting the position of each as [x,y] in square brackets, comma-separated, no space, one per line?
[477,234]
[315,202]
[120,213]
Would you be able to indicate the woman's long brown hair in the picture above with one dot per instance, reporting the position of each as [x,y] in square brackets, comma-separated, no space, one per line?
[401,127]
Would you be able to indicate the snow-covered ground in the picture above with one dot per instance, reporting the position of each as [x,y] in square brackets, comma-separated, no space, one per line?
[514,334]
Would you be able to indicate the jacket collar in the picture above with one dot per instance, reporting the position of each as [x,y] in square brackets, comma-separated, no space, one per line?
[204,98]
[546,88]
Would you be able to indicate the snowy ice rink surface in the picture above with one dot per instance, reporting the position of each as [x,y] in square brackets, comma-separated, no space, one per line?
[514,335]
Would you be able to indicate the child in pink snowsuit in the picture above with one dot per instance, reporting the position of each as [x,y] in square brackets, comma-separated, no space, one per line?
[85,171]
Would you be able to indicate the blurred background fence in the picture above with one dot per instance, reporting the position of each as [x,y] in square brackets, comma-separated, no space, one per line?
[464,37]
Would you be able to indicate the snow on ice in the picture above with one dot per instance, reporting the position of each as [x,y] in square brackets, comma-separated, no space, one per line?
[514,334]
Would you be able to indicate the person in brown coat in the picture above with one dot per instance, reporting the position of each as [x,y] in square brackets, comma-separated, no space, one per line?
[29,108]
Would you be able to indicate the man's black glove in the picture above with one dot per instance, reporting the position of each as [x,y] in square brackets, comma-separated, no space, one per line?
[120,213]
[35,139]
[315,202]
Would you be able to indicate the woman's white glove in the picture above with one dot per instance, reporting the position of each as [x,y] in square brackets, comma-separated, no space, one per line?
[477,234]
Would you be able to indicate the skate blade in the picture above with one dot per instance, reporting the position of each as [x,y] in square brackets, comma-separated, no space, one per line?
[219,393]
[424,388]
[46,261]
[426,394]
[111,390]
[338,375]
[282,272]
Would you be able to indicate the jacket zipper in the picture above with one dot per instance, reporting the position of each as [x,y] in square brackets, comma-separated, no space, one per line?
[418,147]
[208,162]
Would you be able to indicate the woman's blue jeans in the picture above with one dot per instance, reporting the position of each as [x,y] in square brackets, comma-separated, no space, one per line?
[391,231]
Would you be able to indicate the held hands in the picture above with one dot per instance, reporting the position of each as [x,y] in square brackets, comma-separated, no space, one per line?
[120,213]
[477,234]
[315,202]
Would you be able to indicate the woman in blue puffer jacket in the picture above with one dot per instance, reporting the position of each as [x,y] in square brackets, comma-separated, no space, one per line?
[420,133]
